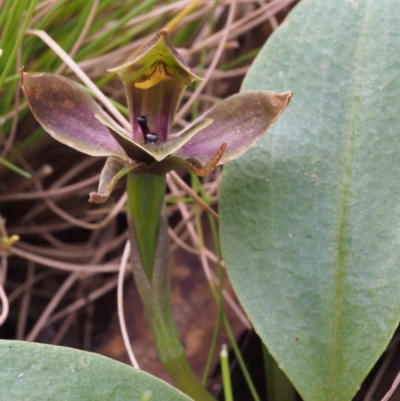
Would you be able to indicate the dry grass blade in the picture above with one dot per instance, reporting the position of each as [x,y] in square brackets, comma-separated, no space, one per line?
[189,191]
[121,317]
[82,35]
[82,302]
[54,264]
[211,278]
[24,309]
[213,65]
[4,305]
[81,75]
[68,283]
[394,387]
[55,192]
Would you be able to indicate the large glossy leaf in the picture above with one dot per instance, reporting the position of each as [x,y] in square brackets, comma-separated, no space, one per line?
[310,217]
[30,371]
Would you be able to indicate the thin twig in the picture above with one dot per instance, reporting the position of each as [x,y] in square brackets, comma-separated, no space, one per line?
[5,305]
[26,298]
[78,221]
[209,275]
[70,267]
[82,35]
[178,180]
[27,284]
[82,302]
[393,388]
[120,301]
[213,65]
[63,330]
[73,188]
[41,322]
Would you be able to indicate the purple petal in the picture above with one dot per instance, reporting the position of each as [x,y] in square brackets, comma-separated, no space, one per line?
[239,121]
[158,104]
[66,112]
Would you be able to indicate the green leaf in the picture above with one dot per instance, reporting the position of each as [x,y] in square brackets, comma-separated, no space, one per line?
[310,216]
[32,371]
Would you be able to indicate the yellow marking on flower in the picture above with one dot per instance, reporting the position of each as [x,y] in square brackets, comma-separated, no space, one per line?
[155,75]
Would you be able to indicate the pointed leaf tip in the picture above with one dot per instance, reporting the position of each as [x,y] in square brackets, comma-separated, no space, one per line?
[66,112]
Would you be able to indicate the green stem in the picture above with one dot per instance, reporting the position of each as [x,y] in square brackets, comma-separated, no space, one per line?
[279,388]
[145,201]
[226,374]
[153,283]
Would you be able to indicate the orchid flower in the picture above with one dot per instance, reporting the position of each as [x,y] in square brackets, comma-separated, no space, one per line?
[155,80]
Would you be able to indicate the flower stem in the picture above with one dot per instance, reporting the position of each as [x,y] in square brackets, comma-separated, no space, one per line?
[153,281]
[145,201]
[279,388]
